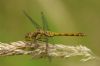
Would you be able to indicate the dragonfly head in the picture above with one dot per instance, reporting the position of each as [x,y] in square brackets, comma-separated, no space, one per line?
[28,36]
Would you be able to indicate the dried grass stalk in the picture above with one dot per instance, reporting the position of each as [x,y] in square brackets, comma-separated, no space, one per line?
[57,50]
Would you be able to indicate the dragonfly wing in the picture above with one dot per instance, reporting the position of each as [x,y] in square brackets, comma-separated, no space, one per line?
[44,21]
[37,26]
[45,28]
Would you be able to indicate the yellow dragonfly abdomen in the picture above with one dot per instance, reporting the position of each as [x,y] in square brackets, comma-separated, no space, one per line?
[52,34]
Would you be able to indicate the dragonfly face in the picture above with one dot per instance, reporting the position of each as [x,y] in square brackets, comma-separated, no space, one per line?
[29,36]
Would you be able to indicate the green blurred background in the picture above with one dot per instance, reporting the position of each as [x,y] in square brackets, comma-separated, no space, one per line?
[62,16]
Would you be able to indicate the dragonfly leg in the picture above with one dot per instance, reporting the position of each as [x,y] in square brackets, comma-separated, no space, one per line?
[47,46]
[36,45]
[47,49]
[32,45]
[29,45]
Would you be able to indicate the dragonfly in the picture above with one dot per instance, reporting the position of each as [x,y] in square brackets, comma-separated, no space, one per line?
[44,32]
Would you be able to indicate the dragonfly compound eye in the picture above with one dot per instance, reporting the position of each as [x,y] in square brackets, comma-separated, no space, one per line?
[28,37]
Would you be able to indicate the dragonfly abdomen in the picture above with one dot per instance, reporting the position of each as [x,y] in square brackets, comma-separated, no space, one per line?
[65,34]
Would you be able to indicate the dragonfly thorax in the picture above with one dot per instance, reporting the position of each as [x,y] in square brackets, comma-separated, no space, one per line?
[38,34]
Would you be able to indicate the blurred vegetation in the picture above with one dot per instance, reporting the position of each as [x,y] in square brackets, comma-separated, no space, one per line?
[62,16]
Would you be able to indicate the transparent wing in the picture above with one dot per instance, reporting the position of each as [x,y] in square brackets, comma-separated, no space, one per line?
[44,21]
[45,28]
[37,26]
